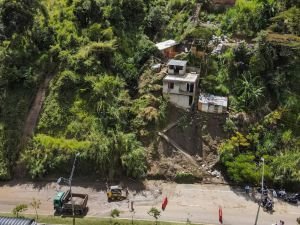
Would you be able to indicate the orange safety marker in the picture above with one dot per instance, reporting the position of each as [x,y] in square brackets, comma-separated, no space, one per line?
[220,215]
[164,204]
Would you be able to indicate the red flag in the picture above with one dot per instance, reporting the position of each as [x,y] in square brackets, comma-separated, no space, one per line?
[164,204]
[220,215]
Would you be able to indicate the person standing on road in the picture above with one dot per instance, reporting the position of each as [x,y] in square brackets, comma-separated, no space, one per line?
[247,189]
[274,194]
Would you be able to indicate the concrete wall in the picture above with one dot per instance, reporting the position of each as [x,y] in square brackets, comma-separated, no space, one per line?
[211,108]
[169,52]
[179,88]
[180,100]
[175,90]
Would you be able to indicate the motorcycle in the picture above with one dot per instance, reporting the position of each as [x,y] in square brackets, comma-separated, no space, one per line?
[267,204]
[282,194]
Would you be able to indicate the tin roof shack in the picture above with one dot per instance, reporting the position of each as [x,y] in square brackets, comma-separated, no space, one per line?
[212,103]
[168,48]
[176,67]
[181,89]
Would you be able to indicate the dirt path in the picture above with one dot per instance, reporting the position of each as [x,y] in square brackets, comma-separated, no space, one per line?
[198,202]
[31,122]
[195,17]
[34,112]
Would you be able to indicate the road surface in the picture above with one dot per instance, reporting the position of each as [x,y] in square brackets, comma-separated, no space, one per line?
[198,202]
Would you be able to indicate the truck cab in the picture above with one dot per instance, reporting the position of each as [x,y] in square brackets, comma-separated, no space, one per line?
[57,201]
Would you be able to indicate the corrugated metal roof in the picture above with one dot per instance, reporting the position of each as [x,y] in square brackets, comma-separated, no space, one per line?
[212,99]
[174,62]
[16,221]
[166,44]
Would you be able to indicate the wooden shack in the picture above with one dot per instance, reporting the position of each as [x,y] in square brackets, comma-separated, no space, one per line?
[168,48]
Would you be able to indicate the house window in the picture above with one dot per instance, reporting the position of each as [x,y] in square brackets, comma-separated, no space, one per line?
[190,87]
[171,85]
[177,69]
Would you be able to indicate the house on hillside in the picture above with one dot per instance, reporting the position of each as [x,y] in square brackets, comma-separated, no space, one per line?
[212,103]
[181,87]
[167,48]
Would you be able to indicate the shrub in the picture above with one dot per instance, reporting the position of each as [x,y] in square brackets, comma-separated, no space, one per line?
[185,177]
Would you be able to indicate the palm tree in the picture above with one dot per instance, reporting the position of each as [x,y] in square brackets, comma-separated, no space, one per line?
[249,90]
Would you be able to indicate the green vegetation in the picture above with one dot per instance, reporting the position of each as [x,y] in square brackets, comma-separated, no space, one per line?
[187,178]
[35,204]
[91,221]
[155,213]
[104,102]
[19,208]
[263,82]
[115,213]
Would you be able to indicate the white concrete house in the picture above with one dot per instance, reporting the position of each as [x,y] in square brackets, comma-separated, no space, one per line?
[179,86]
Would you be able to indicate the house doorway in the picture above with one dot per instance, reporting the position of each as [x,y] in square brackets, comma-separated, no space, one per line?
[191,100]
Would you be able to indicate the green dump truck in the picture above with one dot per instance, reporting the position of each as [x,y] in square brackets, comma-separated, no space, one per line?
[63,205]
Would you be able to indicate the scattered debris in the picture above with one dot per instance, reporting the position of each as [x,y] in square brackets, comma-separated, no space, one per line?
[156,68]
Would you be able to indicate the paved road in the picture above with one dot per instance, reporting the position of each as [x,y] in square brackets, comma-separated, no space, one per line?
[198,202]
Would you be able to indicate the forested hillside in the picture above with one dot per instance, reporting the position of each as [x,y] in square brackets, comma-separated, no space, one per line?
[97,52]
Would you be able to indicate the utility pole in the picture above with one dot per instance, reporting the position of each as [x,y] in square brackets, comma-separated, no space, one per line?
[69,182]
[262,188]
[262,177]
